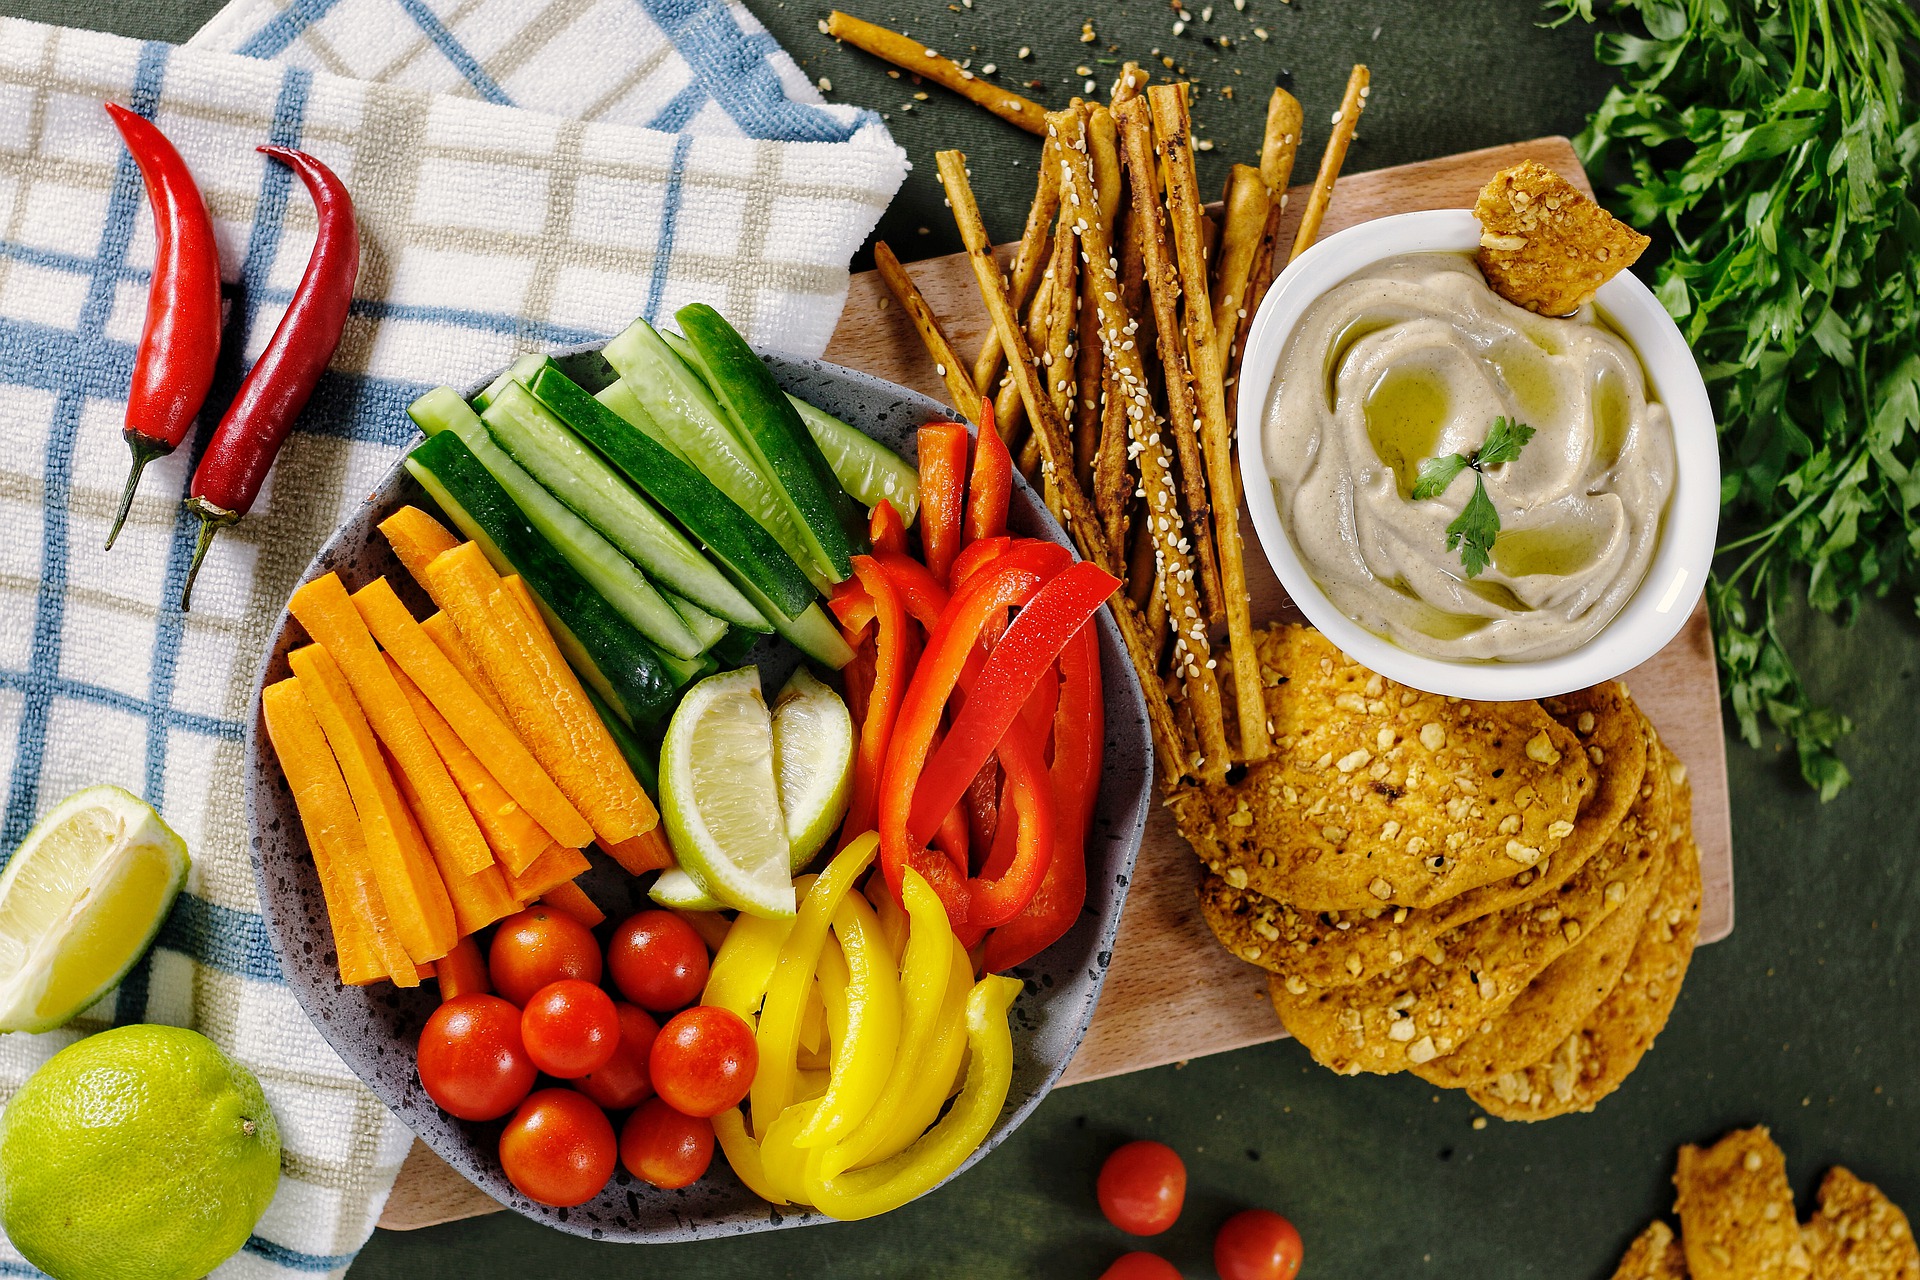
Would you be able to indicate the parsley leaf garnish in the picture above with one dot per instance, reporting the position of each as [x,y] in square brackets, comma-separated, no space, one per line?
[1472,531]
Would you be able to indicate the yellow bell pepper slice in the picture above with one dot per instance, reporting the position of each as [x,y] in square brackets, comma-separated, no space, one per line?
[939,1071]
[926,971]
[862,1193]
[744,964]
[893,920]
[866,1032]
[743,1153]
[785,1165]
[778,1037]
[813,1024]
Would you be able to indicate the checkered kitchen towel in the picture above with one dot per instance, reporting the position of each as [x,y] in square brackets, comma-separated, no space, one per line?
[486,229]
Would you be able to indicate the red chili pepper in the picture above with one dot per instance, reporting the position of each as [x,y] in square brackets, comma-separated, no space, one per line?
[276,389]
[885,530]
[1056,612]
[174,365]
[1079,734]
[990,487]
[1011,581]
[891,663]
[943,483]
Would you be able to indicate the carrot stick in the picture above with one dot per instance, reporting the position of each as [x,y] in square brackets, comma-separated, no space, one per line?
[410,887]
[513,834]
[640,854]
[573,900]
[487,738]
[446,638]
[543,699]
[363,937]
[416,538]
[324,609]
[478,899]
[557,865]
[462,971]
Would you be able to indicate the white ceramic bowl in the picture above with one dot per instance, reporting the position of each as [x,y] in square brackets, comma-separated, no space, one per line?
[1652,615]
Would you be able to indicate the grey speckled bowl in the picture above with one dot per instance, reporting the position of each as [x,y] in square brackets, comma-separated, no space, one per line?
[375,1029]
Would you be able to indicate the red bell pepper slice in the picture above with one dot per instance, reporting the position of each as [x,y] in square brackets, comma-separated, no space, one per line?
[924,598]
[990,485]
[885,530]
[943,483]
[892,661]
[1037,712]
[1079,734]
[1050,619]
[968,562]
[857,677]
[951,838]
[1013,579]
[997,899]
[852,607]
[983,810]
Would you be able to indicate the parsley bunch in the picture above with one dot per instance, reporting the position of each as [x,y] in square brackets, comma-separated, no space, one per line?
[1776,143]
[1472,531]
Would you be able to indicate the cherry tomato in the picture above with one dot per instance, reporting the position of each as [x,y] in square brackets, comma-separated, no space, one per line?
[539,946]
[1256,1244]
[1141,1266]
[558,1148]
[472,1061]
[665,1148]
[1142,1186]
[658,961]
[703,1060]
[623,1082]
[570,1028]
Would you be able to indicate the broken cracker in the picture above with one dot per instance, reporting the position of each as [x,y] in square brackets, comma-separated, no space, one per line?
[1736,1210]
[1544,245]
[1380,795]
[1654,1255]
[1320,947]
[1859,1234]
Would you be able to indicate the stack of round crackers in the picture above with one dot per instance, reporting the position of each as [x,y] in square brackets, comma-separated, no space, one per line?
[1500,897]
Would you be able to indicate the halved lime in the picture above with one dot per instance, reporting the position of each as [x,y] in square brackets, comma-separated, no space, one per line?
[718,797]
[80,902]
[813,747]
[675,889]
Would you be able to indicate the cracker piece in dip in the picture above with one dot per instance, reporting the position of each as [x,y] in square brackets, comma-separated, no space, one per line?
[1736,1210]
[1593,1061]
[1321,947]
[1654,1255]
[1544,245]
[1378,795]
[1431,1005]
[1859,1234]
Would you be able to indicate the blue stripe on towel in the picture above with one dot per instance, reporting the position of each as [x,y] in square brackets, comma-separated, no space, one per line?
[737,75]
[680,108]
[23,787]
[669,218]
[293,1259]
[221,938]
[454,52]
[271,40]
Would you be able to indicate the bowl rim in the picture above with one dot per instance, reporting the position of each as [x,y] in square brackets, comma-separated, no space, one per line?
[1677,574]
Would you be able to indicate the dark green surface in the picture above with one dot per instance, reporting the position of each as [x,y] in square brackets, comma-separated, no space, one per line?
[1804,1020]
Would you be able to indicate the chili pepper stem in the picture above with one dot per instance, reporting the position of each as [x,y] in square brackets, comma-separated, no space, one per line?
[212,520]
[145,450]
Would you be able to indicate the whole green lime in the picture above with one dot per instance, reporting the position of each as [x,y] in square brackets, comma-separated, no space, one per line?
[141,1153]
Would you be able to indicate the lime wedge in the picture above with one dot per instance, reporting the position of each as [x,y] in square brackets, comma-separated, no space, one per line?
[80,902]
[719,799]
[813,748]
[675,889]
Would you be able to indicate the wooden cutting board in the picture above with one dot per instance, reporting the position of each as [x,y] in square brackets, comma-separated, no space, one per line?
[1172,993]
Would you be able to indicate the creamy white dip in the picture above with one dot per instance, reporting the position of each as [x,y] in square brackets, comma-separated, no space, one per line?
[1414,358]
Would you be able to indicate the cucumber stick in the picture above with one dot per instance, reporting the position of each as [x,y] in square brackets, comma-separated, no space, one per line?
[826,518]
[540,442]
[597,560]
[679,408]
[519,371]
[610,655]
[620,398]
[745,549]
[865,468]
[706,628]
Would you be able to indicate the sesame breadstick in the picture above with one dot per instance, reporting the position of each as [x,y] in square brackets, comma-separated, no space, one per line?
[1345,121]
[1173,132]
[1278,148]
[1089,379]
[1027,262]
[910,55]
[1241,223]
[946,363]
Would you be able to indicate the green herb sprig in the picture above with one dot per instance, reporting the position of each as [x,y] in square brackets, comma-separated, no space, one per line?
[1777,144]
[1478,524]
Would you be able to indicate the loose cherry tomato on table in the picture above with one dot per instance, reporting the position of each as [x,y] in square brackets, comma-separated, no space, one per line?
[622,1081]
[559,1148]
[658,961]
[472,1061]
[703,1060]
[570,1028]
[537,947]
[1256,1244]
[1141,1266]
[665,1148]
[1142,1186]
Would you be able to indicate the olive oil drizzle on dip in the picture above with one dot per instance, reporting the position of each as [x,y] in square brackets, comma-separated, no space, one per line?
[1415,357]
